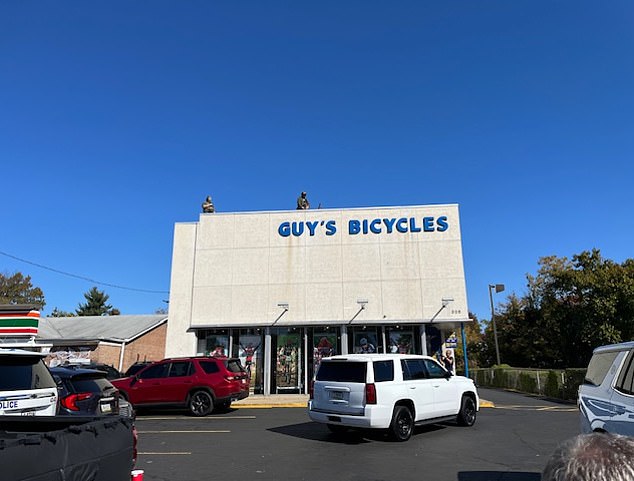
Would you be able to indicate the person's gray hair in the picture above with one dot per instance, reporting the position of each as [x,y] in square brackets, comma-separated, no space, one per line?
[592,457]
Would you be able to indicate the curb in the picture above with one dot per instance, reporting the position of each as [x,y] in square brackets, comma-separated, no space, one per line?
[483,404]
[268,406]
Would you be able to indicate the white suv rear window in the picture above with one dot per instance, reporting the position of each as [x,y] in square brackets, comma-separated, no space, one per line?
[336,371]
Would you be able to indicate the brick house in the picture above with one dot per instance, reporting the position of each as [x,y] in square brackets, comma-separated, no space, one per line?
[119,341]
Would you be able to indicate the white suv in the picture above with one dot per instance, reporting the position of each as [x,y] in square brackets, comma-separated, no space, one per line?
[389,391]
[27,387]
[606,397]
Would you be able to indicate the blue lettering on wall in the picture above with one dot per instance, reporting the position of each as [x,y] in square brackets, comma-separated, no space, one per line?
[442,223]
[284,229]
[366,226]
[401,225]
[389,224]
[312,226]
[297,228]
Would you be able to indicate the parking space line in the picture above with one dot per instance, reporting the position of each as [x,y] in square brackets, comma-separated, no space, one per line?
[536,408]
[169,418]
[186,453]
[197,431]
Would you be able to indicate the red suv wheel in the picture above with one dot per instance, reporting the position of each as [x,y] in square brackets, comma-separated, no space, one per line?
[200,403]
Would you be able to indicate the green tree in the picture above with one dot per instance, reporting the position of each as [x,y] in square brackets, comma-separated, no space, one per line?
[96,304]
[571,307]
[59,313]
[18,289]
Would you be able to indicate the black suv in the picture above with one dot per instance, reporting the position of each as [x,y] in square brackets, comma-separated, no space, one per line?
[85,392]
[111,371]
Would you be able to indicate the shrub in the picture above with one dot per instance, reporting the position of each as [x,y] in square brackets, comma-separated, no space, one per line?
[552,385]
[573,378]
[500,378]
[527,383]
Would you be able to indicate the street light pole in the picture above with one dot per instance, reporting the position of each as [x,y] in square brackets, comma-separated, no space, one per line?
[498,288]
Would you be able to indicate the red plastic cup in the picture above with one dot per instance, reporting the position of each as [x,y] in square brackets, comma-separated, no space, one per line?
[137,475]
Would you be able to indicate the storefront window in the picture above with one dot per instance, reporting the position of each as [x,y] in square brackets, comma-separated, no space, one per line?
[366,341]
[213,342]
[287,360]
[249,345]
[434,341]
[400,340]
[325,343]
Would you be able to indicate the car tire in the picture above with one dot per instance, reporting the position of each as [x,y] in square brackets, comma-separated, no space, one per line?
[468,412]
[402,424]
[201,403]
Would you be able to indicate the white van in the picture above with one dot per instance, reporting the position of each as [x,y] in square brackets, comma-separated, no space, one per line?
[27,388]
[606,398]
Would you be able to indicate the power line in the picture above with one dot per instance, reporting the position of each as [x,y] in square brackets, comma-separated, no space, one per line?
[81,277]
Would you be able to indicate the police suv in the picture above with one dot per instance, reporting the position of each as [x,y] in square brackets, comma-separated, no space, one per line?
[394,392]
[27,388]
[606,397]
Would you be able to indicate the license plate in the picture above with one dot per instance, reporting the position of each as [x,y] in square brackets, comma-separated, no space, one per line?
[336,395]
[106,408]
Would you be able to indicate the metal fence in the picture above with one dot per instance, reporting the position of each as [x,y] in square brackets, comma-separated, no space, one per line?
[555,383]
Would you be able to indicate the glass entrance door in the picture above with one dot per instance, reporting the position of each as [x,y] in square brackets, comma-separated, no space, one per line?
[287,359]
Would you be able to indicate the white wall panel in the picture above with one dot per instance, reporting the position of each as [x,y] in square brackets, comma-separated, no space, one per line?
[242,266]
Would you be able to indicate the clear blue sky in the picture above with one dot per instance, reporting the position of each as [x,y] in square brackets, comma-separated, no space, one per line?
[117,118]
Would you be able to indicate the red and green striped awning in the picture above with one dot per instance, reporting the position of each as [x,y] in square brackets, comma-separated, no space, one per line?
[19,322]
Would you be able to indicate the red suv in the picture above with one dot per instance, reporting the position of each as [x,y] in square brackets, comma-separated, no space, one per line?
[201,384]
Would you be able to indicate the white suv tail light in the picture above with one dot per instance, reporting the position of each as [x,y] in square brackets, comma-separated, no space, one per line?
[370,394]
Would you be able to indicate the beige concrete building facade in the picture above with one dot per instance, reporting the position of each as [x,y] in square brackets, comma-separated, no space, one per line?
[283,289]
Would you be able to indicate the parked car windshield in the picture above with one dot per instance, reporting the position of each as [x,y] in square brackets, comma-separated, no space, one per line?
[342,371]
[132,370]
[24,372]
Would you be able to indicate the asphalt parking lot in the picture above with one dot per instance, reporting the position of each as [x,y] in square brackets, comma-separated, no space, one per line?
[510,441]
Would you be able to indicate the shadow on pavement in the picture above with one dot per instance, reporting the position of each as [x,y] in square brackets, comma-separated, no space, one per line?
[164,411]
[319,432]
[497,476]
